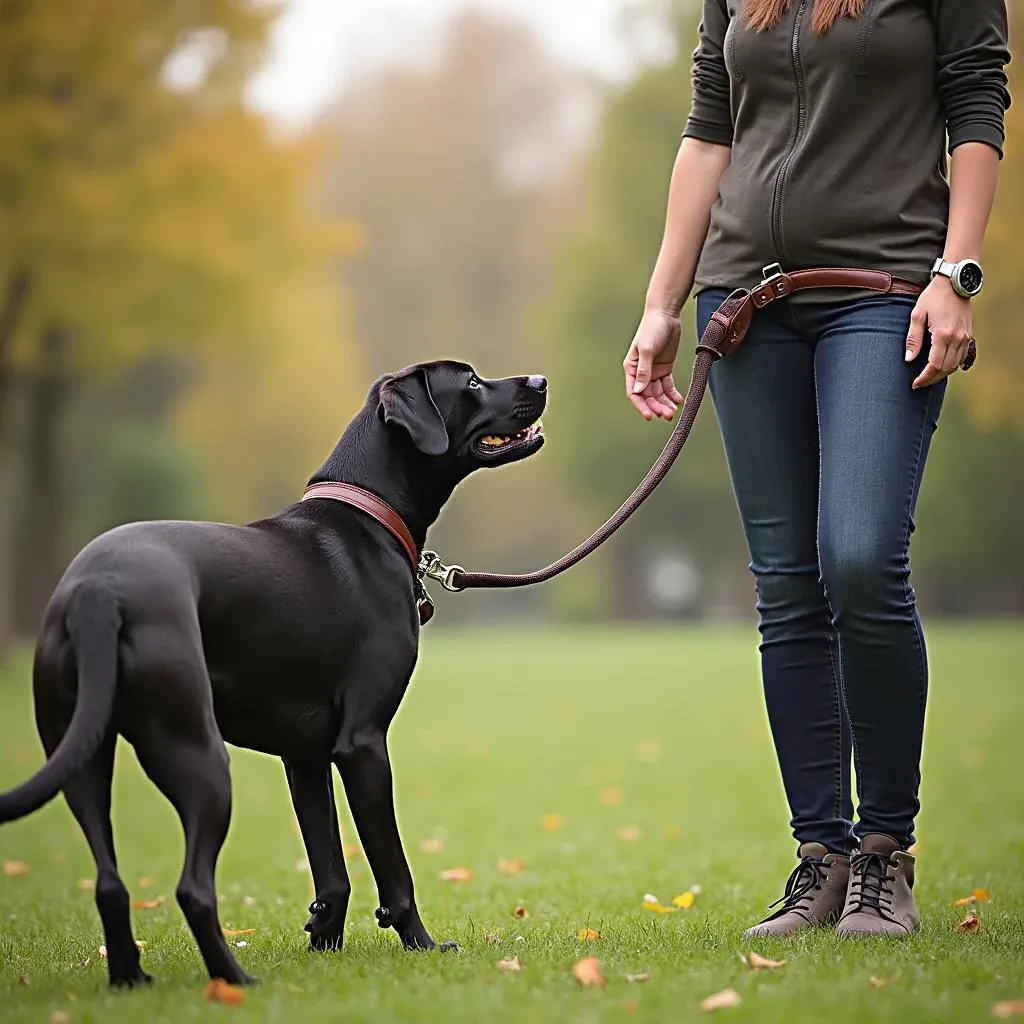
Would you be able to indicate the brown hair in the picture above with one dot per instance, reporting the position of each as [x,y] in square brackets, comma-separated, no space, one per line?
[762,15]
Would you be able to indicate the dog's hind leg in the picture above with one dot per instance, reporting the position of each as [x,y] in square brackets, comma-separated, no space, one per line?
[88,797]
[312,792]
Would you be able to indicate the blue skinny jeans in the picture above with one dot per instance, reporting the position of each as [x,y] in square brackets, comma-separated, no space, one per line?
[826,444]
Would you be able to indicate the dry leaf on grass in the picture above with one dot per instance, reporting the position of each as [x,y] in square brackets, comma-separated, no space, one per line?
[970,925]
[629,833]
[655,905]
[721,1000]
[588,935]
[491,938]
[588,972]
[511,965]
[879,982]
[553,822]
[302,864]
[148,904]
[25,980]
[16,867]
[978,896]
[432,845]
[457,875]
[145,882]
[1008,1008]
[521,912]
[219,991]
[233,932]
[88,884]
[352,850]
[610,797]
[635,978]
[510,867]
[684,900]
[59,1017]
[756,962]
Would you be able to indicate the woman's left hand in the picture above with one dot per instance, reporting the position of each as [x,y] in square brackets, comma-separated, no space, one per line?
[947,317]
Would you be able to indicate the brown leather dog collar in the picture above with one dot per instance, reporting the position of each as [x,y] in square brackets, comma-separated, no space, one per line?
[379,509]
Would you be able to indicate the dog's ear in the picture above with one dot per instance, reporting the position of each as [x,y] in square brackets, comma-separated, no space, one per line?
[406,402]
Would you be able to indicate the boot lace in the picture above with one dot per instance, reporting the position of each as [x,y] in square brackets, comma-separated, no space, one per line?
[869,885]
[807,877]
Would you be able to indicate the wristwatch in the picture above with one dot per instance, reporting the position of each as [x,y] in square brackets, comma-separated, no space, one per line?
[966,276]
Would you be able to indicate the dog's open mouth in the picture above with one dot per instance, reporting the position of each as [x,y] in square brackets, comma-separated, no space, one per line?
[492,444]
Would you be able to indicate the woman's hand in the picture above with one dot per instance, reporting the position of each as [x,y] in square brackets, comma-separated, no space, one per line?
[947,317]
[648,365]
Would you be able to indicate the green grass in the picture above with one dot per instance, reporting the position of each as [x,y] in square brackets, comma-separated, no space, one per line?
[497,732]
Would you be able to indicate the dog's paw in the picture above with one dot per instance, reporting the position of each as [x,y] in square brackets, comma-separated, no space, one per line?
[129,981]
[326,928]
[449,947]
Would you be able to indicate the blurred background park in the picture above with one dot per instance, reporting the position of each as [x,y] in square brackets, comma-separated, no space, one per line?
[220,220]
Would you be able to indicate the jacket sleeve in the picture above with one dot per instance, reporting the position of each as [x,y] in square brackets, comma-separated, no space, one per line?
[971,58]
[710,111]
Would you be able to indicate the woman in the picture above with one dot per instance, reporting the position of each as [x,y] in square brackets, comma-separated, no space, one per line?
[817,138]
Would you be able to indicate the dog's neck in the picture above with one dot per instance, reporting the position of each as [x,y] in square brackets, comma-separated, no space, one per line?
[381,460]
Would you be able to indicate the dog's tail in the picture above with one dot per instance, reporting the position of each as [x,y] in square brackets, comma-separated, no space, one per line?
[93,623]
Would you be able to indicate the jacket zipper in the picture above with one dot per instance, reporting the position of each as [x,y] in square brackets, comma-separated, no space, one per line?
[801,116]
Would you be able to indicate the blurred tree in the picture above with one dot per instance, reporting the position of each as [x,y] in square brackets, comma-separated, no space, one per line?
[459,171]
[143,207]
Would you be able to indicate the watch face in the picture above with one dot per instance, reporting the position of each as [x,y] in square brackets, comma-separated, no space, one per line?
[970,278]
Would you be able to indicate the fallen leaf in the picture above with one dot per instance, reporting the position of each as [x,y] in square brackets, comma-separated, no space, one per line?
[610,797]
[490,938]
[248,901]
[232,932]
[981,895]
[978,896]
[648,751]
[878,982]
[521,912]
[141,944]
[59,1017]
[294,988]
[653,904]
[432,845]
[588,935]
[913,848]
[148,904]
[635,978]
[219,991]
[88,884]
[145,882]
[102,952]
[553,822]
[684,900]
[352,850]
[970,925]
[511,965]
[673,831]
[628,833]
[1008,1008]
[588,972]
[25,980]
[457,875]
[510,867]
[16,867]
[757,962]
[721,1000]
[302,864]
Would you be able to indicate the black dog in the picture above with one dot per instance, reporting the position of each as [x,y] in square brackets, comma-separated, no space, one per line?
[295,635]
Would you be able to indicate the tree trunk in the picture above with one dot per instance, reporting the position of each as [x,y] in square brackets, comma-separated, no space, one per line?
[42,547]
[10,315]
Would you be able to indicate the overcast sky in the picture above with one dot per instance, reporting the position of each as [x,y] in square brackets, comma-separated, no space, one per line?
[317,44]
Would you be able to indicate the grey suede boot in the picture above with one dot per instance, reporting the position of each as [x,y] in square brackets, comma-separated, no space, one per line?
[814,895]
[879,900]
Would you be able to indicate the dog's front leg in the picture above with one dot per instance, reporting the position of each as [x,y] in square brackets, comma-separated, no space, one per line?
[362,759]
[313,799]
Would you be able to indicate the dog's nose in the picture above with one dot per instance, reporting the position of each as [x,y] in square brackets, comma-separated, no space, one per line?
[537,383]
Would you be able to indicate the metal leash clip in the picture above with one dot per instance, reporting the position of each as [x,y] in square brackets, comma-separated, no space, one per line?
[432,568]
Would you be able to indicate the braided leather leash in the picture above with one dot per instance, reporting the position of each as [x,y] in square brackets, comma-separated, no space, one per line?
[722,336]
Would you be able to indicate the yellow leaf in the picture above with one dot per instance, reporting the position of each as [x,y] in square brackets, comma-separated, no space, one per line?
[352,850]
[553,822]
[457,875]
[490,938]
[684,900]
[653,904]
[145,882]
[757,962]
[611,796]
[981,895]
[1008,1008]
[588,972]
[511,965]
[432,845]
[16,867]
[721,1000]
[588,935]
[628,833]
[510,867]
[233,932]
[148,904]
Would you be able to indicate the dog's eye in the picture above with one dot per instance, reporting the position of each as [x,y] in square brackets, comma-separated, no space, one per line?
[474,382]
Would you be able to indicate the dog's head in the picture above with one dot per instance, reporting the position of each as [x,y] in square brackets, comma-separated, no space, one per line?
[449,412]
